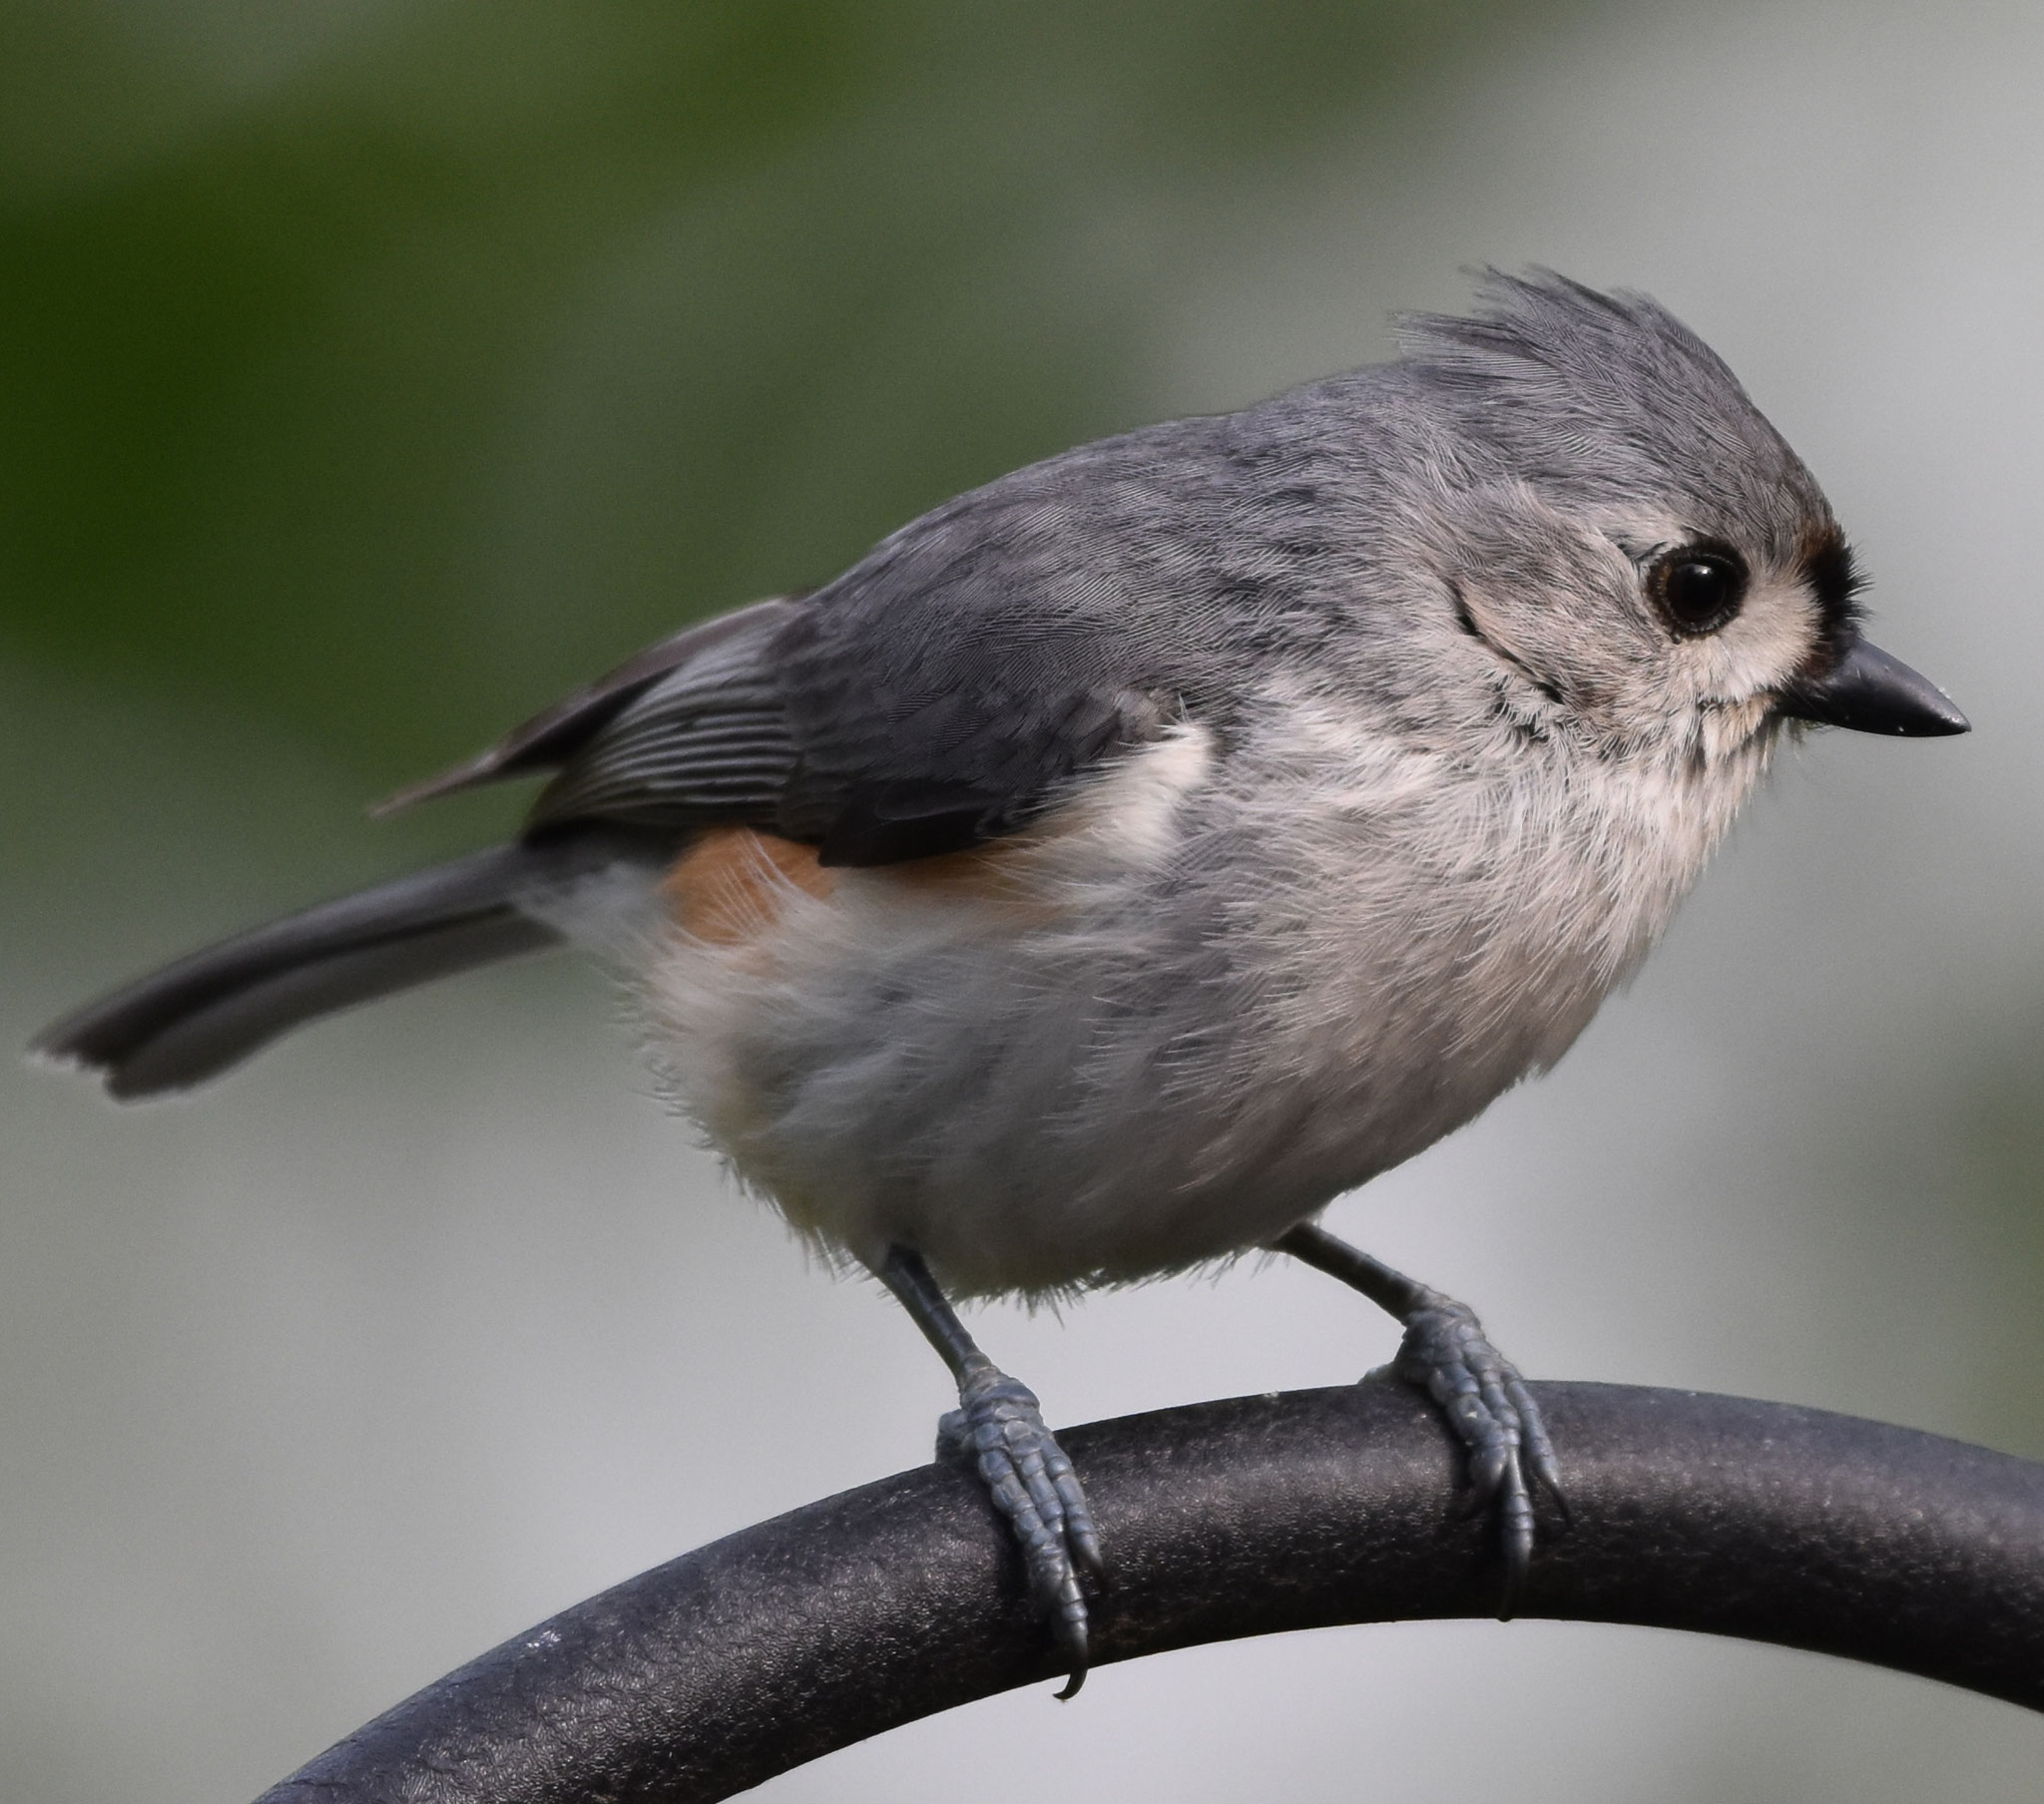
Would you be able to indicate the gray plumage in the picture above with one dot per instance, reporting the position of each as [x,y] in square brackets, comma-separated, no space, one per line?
[1310,773]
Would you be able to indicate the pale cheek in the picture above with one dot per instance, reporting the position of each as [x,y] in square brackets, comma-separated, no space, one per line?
[1762,649]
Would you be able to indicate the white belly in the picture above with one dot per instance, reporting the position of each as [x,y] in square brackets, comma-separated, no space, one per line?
[1117,1045]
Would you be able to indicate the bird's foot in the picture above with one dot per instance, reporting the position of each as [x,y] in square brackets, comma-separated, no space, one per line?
[1446,1354]
[997,1422]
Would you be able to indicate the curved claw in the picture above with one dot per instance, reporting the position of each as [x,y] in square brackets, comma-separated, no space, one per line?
[1446,1354]
[1539,1449]
[1033,1486]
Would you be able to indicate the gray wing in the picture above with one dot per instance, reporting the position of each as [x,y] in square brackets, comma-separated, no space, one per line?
[933,698]
[709,741]
[877,737]
[947,686]
[941,693]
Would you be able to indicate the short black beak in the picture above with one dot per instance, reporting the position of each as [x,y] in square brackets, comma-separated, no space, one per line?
[1870,691]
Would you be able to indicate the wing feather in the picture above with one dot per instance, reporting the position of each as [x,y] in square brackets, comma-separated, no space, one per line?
[554,735]
[948,687]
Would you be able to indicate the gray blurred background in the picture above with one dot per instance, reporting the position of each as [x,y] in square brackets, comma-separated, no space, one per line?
[370,372]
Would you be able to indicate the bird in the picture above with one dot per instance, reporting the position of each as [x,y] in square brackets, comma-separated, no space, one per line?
[1130,855]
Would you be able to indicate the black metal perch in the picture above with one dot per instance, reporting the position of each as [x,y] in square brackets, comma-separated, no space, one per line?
[818,1628]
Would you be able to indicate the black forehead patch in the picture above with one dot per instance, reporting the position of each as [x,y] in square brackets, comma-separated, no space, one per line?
[1827,566]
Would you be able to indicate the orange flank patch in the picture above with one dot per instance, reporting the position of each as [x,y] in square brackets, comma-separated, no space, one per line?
[731,884]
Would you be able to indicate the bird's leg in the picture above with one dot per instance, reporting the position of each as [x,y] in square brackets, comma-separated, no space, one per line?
[1025,1471]
[1446,1354]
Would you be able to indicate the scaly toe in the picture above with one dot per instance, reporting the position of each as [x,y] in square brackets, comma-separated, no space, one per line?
[1034,1487]
[1446,1354]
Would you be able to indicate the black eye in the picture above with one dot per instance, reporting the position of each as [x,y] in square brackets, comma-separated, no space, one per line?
[1697,588]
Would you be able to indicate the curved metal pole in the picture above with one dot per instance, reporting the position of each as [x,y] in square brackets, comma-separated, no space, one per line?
[818,1628]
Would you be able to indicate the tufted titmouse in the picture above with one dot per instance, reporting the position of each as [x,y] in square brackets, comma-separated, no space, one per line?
[1128,856]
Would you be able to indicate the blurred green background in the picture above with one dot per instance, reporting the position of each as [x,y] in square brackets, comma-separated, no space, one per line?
[371,372]
[373,367]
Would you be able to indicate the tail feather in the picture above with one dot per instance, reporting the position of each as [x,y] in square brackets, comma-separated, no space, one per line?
[206,1012]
